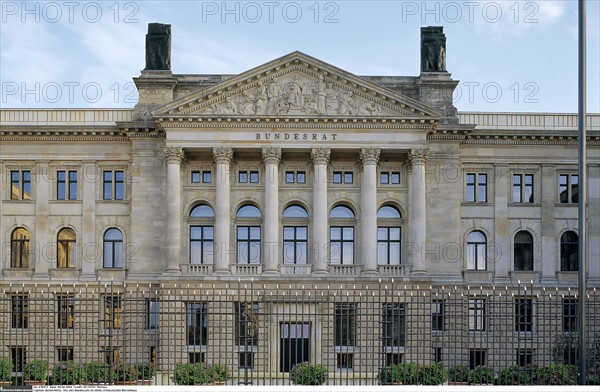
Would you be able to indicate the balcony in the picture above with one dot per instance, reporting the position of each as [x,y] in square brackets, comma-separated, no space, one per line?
[394,271]
[247,269]
[345,269]
[196,269]
[295,269]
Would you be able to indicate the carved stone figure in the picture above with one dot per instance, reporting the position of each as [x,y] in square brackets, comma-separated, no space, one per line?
[345,107]
[433,49]
[158,47]
[225,107]
[260,99]
[320,91]
[293,94]
[246,103]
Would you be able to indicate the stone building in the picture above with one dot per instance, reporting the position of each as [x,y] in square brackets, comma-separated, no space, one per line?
[294,212]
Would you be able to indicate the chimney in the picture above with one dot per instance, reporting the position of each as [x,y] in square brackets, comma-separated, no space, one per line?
[433,49]
[158,47]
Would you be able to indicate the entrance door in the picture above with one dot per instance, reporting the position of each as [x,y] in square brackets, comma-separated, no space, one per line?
[295,344]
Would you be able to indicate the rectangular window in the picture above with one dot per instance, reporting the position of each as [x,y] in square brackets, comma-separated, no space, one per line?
[113,312]
[19,310]
[246,324]
[20,181]
[477,358]
[345,324]
[197,323]
[341,245]
[196,357]
[64,354]
[66,312]
[248,244]
[246,360]
[345,177]
[478,314]
[569,188]
[112,354]
[66,185]
[114,185]
[476,187]
[153,356]
[201,177]
[570,312]
[393,325]
[437,354]
[437,315]
[388,245]
[345,360]
[248,176]
[152,314]
[17,358]
[393,359]
[522,188]
[523,314]
[201,244]
[295,177]
[524,358]
[295,244]
[389,177]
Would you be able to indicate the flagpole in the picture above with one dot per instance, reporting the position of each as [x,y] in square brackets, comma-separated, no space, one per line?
[582,243]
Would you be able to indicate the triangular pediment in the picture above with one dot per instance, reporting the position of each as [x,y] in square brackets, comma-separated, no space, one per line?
[296,85]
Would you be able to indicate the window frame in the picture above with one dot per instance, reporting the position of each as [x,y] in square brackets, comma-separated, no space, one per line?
[569,252]
[524,315]
[390,174]
[113,312]
[69,185]
[438,317]
[477,187]
[345,318]
[196,336]
[115,257]
[65,312]
[22,184]
[114,184]
[295,177]
[523,252]
[343,177]
[152,314]
[19,311]
[20,248]
[572,197]
[393,325]
[570,315]
[251,177]
[245,322]
[478,315]
[521,188]
[66,247]
[473,248]
[202,176]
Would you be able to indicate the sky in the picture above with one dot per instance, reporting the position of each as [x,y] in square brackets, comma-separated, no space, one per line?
[509,56]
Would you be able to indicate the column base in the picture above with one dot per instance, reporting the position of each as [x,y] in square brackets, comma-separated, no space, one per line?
[221,273]
[271,273]
[172,271]
[320,273]
[87,277]
[370,273]
[551,280]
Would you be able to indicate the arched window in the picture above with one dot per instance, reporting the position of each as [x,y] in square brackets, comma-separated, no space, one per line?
[113,248]
[66,248]
[295,235]
[341,235]
[388,236]
[202,234]
[523,251]
[476,251]
[569,251]
[248,224]
[19,248]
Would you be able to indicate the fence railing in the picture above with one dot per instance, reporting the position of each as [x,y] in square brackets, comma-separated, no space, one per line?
[257,332]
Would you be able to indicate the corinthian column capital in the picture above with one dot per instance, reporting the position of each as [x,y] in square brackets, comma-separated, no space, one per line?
[369,156]
[271,155]
[174,154]
[418,156]
[320,155]
[223,154]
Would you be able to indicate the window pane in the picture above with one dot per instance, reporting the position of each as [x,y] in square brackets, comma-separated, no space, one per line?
[119,191]
[73,185]
[288,252]
[394,233]
[195,253]
[255,233]
[382,253]
[395,178]
[242,253]
[119,255]
[470,256]
[288,233]
[395,253]
[348,233]
[243,177]
[301,233]
[388,212]
[243,232]
[301,253]
[341,212]
[208,252]
[248,212]
[107,185]
[254,253]
[384,178]
[202,211]
[254,177]
[348,178]
[337,177]
[195,176]
[195,232]
[108,252]
[207,177]
[295,211]
[382,233]
[289,177]
[208,232]
[301,177]
[335,233]
[481,257]
[335,253]
[348,253]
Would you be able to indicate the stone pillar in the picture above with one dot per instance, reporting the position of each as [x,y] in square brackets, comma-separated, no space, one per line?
[222,156]
[174,156]
[502,240]
[271,158]
[320,157]
[41,249]
[550,259]
[92,258]
[417,212]
[368,207]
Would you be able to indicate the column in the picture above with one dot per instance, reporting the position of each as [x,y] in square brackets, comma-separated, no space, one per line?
[42,189]
[502,184]
[548,246]
[271,158]
[222,156]
[368,207]
[92,258]
[320,157]
[417,212]
[174,156]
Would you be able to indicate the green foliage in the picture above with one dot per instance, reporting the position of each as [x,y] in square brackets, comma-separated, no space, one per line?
[481,375]
[308,374]
[458,373]
[434,374]
[144,371]
[516,375]
[554,374]
[124,372]
[67,373]
[36,370]
[98,372]
[220,373]
[5,369]
[402,373]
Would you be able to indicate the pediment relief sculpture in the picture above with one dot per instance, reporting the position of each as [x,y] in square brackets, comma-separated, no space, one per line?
[298,94]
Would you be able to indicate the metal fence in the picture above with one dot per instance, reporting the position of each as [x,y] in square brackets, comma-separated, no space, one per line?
[259,331]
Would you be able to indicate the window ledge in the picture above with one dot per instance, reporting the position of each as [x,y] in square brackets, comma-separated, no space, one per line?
[17,272]
[525,277]
[477,276]
[514,204]
[112,273]
[61,273]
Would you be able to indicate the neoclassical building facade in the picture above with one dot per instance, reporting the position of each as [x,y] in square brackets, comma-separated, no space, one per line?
[294,212]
